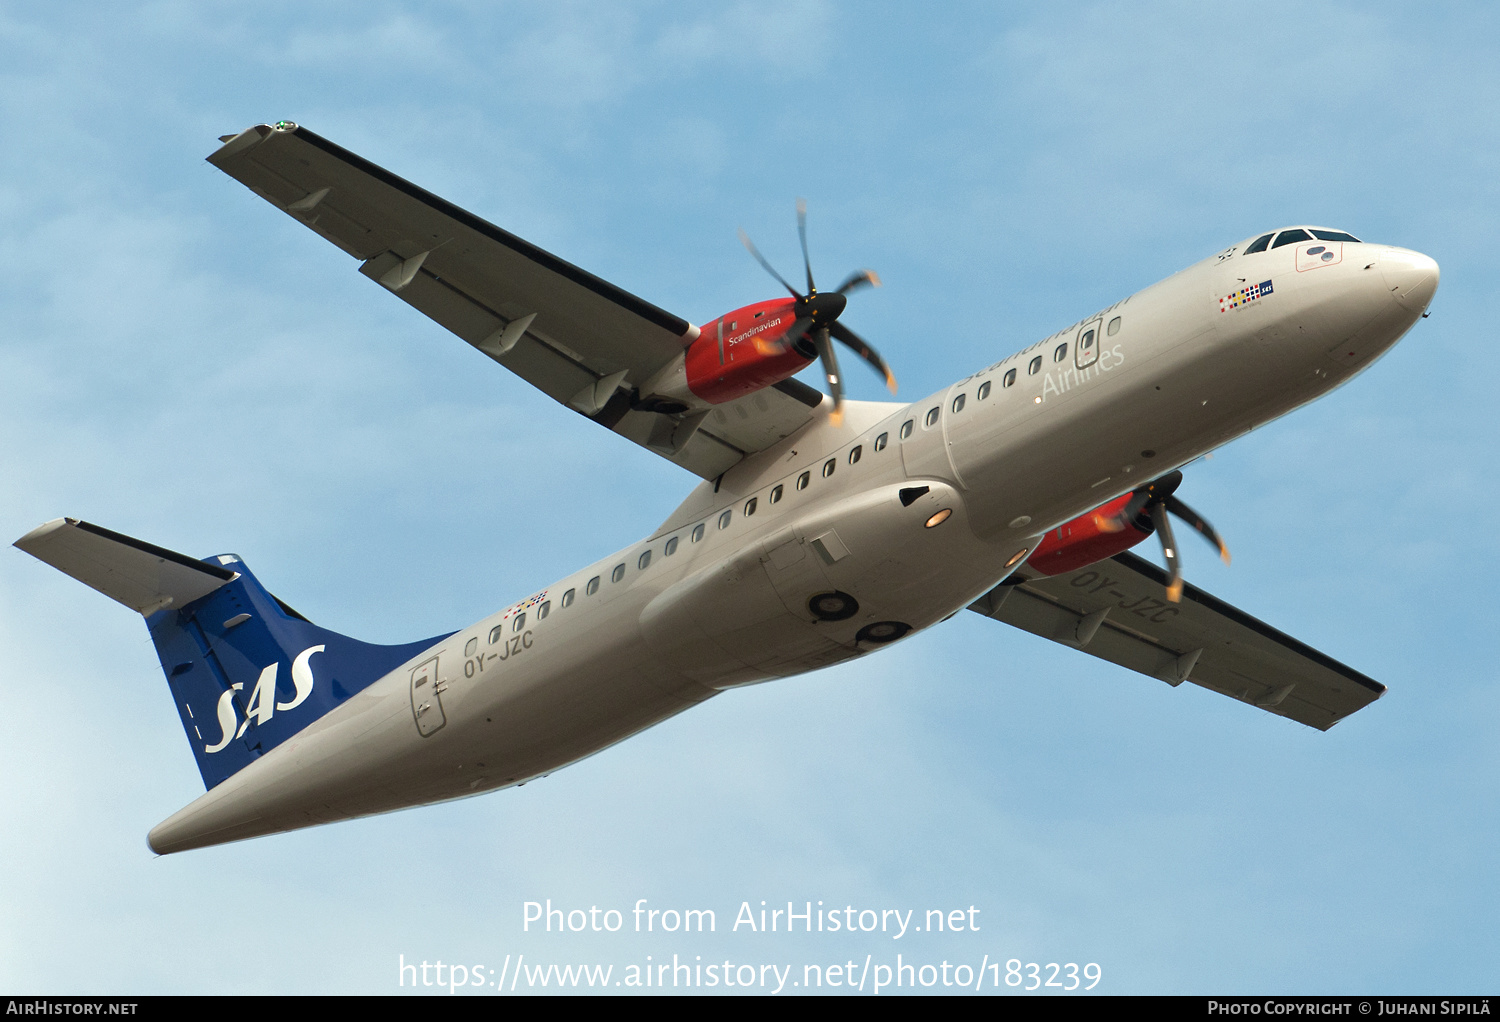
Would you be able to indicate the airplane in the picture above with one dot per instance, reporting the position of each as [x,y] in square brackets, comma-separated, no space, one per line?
[822,529]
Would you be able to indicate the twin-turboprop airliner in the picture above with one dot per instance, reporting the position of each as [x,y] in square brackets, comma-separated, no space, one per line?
[823,529]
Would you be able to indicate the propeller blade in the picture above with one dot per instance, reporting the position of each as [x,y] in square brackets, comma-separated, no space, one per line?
[859,279]
[812,288]
[1163,487]
[831,369]
[1128,513]
[864,351]
[768,267]
[1169,551]
[1198,522]
[786,340]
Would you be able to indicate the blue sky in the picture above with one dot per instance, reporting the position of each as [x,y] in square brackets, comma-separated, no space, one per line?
[180,362]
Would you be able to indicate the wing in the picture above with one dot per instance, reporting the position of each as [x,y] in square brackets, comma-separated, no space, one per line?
[579,339]
[1117,610]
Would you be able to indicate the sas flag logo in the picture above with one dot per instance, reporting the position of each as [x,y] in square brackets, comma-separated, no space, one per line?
[1244,296]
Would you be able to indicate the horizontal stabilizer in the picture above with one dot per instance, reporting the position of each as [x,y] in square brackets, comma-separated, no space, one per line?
[144,577]
[1117,610]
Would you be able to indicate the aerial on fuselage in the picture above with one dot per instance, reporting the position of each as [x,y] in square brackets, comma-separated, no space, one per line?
[821,530]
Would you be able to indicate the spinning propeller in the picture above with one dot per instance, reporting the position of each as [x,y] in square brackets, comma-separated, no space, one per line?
[1156,499]
[817,315]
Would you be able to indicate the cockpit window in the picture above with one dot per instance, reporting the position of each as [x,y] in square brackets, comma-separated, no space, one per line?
[1334,236]
[1291,237]
[1260,244]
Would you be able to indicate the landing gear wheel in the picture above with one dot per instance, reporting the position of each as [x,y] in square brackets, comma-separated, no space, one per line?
[834,606]
[882,632]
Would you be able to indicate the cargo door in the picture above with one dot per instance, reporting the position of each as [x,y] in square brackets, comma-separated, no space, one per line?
[426,698]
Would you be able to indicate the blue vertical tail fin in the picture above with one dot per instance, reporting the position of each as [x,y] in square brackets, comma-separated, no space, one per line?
[246,671]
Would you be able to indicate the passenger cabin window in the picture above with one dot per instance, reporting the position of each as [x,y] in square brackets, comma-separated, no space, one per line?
[544,610]
[1260,244]
[932,415]
[1114,326]
[495,635]
[1061,353]
[567,600]
[1035,367]
[854,454]
[1291,237]
[1010,378]
[670,548]
[725,518]
[803,480]
[984,390]
[618,573]
[471,646]
[750,507]
[645,560]
[906,429]
[519,623]
[592,587]
[1334,236]
[958,403]
[697,532]
[776,492]
[829,466]
[881,441]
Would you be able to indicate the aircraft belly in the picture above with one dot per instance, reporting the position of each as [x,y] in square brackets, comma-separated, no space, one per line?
[750,617]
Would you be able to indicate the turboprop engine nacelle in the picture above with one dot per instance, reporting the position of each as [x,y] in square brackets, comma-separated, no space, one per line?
[734,355]
[1086,539]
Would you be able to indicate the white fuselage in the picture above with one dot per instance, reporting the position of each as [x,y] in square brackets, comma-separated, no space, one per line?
[1172,372]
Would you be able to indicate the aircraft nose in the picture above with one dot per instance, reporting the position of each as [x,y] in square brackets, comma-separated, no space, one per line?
[1411,277]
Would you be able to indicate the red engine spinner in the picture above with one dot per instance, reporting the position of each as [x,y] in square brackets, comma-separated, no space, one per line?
[1086,539]
[739,353]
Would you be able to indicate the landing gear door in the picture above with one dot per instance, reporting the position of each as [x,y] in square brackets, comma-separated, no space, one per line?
[426,698]
[1086,351]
